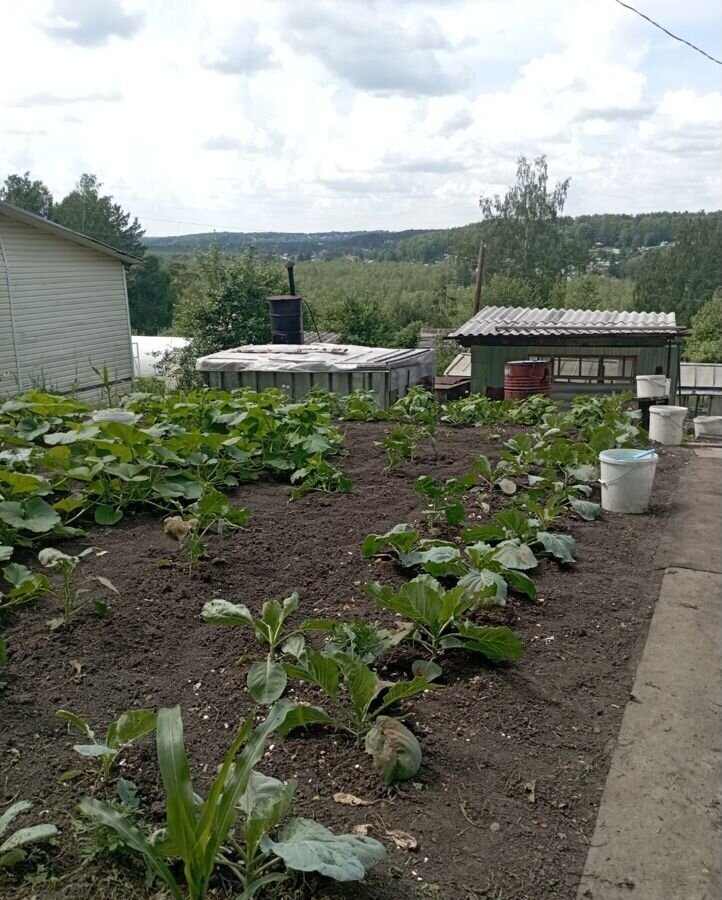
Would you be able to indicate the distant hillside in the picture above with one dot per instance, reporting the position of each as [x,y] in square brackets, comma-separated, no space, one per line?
[316,245]
[627,233]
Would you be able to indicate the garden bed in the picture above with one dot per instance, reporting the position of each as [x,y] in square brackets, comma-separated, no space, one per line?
[515,756]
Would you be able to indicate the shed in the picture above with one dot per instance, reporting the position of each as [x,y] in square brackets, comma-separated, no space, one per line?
[341,368]
[591,351]
[63,307]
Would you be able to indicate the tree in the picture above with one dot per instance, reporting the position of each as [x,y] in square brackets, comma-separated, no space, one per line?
[96,215]
[682,277]
[225,307]
[150,297]
[705,342]
[525,234]
[33,196]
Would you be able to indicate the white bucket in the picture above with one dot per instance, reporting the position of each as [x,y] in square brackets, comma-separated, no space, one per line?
[666,424]
[707,425]
[649,386]
[626,479]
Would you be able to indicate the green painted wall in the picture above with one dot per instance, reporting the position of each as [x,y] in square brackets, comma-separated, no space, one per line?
[487,362]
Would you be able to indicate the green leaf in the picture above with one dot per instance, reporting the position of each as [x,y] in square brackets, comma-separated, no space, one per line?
[559,545]
[94,750]
[266,681]
[22,483]
[507,486]
[494,642]
[107,815]
[520,582]
[5,552]
[455,513]
[25,836]
[11,812]
[302,717]
[485,533]
[306,846]
[221,612]
[265,802]
[404,689]
[362,684]
[15,574]
[106,515]
[426,668]
[514,521]
[130,726]
[294,646]
[401,537]
[315,668]
[33,515]
[487,588]
[3,651]
[513,555]
[586,509]
[77,722]
[106,582]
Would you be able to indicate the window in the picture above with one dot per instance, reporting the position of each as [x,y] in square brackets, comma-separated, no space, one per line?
[594,369]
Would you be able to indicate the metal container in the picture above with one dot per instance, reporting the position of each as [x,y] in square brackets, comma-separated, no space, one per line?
[523,378]
[340,368]
[286,319]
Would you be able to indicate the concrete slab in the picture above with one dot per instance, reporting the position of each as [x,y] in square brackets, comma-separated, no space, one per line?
[709,452]
[658,831]
[693,537]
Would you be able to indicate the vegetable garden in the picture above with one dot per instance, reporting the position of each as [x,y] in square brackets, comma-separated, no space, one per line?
[254,647]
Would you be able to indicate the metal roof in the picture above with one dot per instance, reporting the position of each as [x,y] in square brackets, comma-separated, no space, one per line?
[42,224]
[321,337]
[516,320]
[310,358]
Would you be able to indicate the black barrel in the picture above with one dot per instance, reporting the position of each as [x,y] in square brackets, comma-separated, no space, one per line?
[286,319]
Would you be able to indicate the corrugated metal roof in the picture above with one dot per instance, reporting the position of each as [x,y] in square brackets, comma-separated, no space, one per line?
[460,366]
[516,320]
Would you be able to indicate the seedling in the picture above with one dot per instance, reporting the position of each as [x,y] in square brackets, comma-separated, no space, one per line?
[442,503]
[266,680]
[204,834]
[127,728]
[210,513]
[72,594]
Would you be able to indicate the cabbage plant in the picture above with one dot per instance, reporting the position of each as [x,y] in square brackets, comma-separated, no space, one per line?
[127,728]
[12,848]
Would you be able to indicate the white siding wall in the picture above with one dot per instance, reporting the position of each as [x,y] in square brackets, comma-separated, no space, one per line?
[8,384]
[70,310]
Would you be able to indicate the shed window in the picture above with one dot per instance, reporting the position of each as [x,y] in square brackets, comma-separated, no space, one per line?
[594,369]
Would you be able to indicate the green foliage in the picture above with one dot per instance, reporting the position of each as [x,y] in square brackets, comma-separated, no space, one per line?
[704,344]
[224,307]
[360,640]
[71,594]
[127,728]
[150,297]
[437,619]
[31,195]
[88,211]
[400,443]
[442,500]
[356,694]
[12,848]
[205,834]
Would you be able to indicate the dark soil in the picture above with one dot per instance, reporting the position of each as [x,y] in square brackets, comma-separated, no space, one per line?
[515,757]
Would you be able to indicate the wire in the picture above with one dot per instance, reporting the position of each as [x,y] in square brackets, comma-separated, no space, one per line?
[662,28]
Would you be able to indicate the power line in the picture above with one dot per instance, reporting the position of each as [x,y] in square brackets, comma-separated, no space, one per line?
[675,36]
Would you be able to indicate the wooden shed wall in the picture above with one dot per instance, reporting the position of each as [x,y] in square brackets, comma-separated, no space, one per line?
[487,364]
[70,310]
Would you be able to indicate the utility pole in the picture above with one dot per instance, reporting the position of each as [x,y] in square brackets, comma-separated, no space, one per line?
[480,268]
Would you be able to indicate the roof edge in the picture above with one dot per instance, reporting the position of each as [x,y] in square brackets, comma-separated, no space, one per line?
[43,224]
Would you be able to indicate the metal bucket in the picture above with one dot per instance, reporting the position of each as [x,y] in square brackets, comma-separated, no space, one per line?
[286,319]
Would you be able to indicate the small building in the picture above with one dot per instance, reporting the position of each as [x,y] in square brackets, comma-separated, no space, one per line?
[591,351]
[63,308]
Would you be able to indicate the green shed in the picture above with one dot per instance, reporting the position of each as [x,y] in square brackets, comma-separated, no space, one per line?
[591,351]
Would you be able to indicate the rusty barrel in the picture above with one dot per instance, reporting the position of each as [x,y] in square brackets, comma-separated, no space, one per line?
[286,319]
[525,377]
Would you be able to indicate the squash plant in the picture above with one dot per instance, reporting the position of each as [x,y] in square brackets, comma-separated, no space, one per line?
[206,834]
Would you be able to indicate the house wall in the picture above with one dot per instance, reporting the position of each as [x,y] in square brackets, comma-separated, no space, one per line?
[70,311]
[487,364]
[8,370]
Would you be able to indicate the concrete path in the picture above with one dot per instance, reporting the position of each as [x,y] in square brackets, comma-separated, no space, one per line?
[658,830]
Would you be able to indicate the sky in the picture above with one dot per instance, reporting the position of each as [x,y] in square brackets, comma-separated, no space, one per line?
[315,115]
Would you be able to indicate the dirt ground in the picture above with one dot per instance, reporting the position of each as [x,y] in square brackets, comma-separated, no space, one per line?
[515,757]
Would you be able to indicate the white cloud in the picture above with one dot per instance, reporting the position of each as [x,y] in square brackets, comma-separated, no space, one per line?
[337,114]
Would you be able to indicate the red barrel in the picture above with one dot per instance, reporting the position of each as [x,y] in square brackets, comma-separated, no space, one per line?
[525,377]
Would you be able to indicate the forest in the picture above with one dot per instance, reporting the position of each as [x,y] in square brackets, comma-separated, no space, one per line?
[380,288]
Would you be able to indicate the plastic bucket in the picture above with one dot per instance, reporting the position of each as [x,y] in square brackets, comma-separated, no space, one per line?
[666,424]
[652,386]
[626,478]
[705,426]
